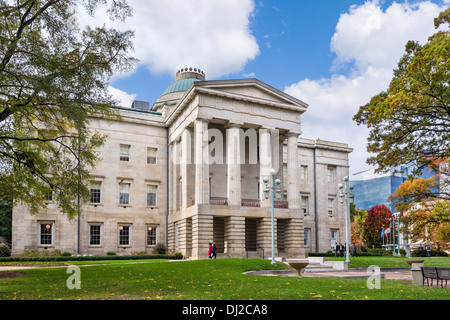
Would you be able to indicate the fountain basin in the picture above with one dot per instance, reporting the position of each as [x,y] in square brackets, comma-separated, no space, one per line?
[298,265]
[410,262]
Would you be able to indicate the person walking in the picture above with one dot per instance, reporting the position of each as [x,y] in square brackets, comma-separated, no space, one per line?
[210,251]
[336,249]
[341,250]
[213,250]
[354,250]
[420,250]
[428,250]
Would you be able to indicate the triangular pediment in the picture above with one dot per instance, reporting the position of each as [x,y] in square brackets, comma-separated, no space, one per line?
[250,90]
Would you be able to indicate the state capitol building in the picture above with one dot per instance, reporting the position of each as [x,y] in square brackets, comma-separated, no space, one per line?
[191,169]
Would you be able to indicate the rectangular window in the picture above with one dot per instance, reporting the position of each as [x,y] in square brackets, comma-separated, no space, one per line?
[49,195]
[330,173]
[305,205]
[334,237]
[124,194]
[151,235]
[125,152]
[46,234]
[330,206]
[306,237]
[124,235]
[151,195]
[95,235]
[151,155]
[96,188]
[304,172]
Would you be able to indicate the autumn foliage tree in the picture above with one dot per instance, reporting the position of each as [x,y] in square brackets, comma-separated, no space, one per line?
[410,122]
[425,215]
[54,77]
[377,220]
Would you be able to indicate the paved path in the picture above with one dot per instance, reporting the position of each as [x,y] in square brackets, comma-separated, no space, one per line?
[393,275]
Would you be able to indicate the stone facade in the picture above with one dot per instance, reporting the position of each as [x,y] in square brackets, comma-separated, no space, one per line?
[191,171]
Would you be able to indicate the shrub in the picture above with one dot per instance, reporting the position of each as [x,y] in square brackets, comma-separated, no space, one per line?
[66,254]
[178,255]
[434,253]
[30,253]
[110,253]
[160,248]
[390,253]
[5,251]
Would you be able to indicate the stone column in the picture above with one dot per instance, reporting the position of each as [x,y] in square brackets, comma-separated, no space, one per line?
[201,162]
[264,235]
[294,238]
[293,186]
[265,164]
[233,165]
[170,172]
[235,236]
[174,156]
[185,157]
[202,234]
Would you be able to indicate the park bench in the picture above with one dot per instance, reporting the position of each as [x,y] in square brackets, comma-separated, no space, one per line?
[438,274]
[443,275]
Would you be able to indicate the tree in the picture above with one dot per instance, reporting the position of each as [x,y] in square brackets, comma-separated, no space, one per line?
[357,218]
[410,122]
[424,217]
[377,220]
[54,77]
[5,217]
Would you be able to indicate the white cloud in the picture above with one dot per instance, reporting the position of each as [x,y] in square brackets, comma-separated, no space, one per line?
[124,99]
[213,35]
[368,43]
[369,36]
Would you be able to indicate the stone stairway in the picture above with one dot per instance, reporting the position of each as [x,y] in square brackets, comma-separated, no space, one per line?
[320,264]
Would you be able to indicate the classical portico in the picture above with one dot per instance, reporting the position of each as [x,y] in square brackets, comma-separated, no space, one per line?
[224,137]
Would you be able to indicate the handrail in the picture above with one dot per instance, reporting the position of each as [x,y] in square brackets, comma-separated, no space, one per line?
[261,248]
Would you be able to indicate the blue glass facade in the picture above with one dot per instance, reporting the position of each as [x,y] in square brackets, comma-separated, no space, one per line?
[371,189]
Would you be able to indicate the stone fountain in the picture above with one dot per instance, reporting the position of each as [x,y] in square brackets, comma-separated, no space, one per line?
[298,265]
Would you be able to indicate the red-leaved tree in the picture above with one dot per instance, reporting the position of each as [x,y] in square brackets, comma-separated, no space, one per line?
[377,219]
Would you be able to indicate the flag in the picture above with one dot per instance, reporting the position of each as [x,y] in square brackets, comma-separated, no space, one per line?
[382,233]
[71,56]
[388,230]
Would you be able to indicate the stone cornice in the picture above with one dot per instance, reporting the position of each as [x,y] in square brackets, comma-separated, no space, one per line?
[213,88]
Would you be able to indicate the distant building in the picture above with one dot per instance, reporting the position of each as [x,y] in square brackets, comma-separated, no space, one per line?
[372,188]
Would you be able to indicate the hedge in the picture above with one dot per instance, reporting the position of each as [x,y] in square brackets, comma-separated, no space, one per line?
[91,258]
[331,254]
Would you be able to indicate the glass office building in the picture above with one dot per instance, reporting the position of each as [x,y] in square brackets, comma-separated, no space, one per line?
[372,188]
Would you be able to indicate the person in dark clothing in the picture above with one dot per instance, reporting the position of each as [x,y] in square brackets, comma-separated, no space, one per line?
[354,250]
[420,250]
[341,250]
[213,250]
[336,250]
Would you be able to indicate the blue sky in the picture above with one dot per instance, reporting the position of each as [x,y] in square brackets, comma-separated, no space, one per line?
[333,55]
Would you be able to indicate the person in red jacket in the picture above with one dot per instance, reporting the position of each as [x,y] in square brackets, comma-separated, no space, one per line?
[209,251]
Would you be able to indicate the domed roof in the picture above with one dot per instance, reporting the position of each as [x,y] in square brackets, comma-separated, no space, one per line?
[180,85]
[184,79]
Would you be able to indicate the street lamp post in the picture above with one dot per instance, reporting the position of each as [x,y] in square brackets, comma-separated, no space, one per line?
[277,193]
[397,217]
[346,197]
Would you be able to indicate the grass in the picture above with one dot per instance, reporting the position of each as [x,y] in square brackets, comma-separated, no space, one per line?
[219,279]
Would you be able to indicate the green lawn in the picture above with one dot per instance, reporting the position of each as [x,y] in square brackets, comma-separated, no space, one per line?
[220,279]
